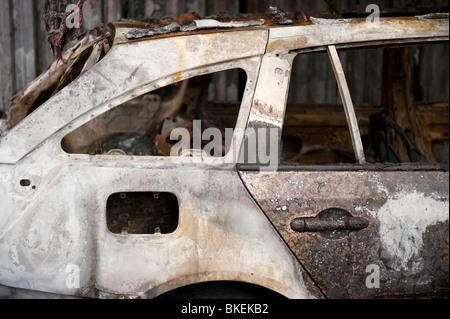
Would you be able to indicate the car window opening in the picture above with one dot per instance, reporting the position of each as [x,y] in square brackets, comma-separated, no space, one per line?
[400,100]
[143,126]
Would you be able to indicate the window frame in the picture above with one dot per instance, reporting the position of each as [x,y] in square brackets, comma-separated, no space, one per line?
[251,68]
[346,97]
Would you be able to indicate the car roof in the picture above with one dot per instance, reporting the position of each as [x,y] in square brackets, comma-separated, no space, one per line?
[187,24]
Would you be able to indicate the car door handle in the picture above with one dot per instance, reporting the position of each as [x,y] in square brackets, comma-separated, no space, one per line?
[329,220]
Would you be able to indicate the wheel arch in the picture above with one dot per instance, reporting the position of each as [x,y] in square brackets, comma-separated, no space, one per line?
[218,289]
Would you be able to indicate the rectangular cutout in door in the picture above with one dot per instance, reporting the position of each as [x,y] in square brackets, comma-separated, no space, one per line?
[142,213]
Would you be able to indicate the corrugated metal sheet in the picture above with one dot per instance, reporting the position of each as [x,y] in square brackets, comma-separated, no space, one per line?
[25,53]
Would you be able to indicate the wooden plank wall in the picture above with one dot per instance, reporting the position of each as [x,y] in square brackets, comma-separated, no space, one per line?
[25,53]
[6,59]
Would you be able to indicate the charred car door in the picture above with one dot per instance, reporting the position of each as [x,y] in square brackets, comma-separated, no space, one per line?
[361,191]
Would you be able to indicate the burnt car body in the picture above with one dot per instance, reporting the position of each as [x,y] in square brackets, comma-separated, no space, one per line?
[93,205]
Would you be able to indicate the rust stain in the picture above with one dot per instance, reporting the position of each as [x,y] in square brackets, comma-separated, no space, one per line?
[177,77]
[180,53]
[286,44]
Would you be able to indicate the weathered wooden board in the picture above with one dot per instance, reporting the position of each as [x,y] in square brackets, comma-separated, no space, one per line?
[6,56]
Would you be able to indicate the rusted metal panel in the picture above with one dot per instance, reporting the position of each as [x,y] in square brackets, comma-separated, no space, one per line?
[406,237]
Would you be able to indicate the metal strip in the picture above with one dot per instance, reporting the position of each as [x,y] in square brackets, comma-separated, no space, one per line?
[348,104]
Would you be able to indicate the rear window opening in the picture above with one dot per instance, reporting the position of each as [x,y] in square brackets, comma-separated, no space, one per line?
[143,125]
[142,213]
